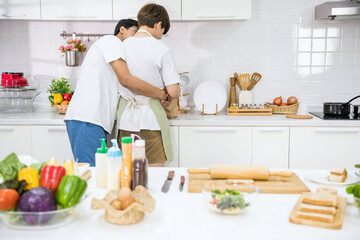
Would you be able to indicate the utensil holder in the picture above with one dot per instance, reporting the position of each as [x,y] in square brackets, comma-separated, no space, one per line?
[245,97]
[71,58]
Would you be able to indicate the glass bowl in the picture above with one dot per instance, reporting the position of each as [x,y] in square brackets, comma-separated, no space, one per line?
[229,197]
[42,220]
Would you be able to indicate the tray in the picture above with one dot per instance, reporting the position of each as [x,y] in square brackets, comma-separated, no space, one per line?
[249,112]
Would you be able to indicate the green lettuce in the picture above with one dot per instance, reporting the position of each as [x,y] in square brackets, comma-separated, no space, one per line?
[10,167]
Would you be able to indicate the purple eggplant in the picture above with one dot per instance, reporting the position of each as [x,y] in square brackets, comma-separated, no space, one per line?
[38,199]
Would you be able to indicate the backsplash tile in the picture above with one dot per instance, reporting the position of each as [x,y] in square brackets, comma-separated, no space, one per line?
[315,60]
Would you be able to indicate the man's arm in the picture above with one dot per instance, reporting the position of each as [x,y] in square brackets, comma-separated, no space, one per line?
[173,90]
[135,84]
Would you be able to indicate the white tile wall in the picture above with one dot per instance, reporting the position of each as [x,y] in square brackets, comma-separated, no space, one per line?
[315,60]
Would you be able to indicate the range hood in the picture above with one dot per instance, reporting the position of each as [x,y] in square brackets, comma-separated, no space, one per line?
[338,10]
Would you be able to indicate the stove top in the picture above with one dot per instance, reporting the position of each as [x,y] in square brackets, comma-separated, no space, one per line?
[331,117]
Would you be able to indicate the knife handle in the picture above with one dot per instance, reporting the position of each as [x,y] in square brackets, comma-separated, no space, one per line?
[171,175]
[182,180]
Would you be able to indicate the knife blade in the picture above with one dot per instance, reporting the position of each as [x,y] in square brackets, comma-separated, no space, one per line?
[182,181]
[167,183]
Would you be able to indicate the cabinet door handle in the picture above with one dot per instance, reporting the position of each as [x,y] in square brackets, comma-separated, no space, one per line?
[7,129]
[336,130]
[13,15]
[76,17]
[57,129]
[216,16]
[214,130]
[271,130]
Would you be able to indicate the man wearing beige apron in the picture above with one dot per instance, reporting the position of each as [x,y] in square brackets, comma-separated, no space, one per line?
[149,59]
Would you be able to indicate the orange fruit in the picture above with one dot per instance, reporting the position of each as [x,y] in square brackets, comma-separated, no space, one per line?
[65,102]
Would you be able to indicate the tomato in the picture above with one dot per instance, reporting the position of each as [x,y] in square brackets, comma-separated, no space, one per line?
[67,96]
[65,102]
[8,199]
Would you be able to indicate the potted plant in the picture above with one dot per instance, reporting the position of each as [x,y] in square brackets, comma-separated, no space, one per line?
[71,50]
[60,94]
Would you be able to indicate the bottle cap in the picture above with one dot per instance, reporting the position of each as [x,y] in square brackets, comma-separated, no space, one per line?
[140,143]
[103,148]
[126,140]
[114,151]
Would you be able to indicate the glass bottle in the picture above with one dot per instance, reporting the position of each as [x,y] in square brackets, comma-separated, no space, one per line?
[140,165]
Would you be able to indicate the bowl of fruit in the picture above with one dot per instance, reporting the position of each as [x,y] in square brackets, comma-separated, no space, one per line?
[229,197]
[60,94]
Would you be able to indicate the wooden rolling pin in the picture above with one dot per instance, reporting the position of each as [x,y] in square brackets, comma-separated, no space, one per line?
[239,172]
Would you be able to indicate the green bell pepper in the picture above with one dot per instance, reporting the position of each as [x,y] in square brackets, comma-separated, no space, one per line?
[70,190]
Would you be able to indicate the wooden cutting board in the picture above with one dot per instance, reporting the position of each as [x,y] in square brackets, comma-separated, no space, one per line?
[282,185]
[338,219]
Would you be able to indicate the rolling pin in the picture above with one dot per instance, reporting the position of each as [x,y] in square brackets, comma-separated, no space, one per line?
[239,172]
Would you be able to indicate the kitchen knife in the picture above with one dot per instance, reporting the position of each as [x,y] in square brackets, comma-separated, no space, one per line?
[182,181]
[167,183]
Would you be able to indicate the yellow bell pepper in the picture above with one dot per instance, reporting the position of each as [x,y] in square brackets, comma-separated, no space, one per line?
[69,166]
[58,98]
[31,176]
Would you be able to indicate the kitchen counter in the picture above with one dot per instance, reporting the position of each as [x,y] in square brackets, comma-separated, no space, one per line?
[52,117]
[181,215]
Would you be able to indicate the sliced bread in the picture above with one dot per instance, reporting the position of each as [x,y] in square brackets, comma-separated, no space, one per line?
[328,218]
[317,209]
[339,171]
[324,189]
[337,178]
[320,198]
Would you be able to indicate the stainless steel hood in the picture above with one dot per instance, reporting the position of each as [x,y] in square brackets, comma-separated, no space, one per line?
[338,10]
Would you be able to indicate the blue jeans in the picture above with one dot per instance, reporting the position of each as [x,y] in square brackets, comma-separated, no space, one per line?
[84,139]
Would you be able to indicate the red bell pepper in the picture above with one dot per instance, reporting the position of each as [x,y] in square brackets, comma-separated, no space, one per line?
[51,176]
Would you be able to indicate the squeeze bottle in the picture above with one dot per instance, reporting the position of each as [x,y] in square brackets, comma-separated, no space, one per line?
[101,165]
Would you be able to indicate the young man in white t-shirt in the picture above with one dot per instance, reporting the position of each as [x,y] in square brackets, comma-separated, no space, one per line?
[92,110]
[149,59]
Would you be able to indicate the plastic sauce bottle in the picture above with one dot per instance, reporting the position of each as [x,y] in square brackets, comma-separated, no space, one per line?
[126,146]
[114,159]
[101,165]
[140,165]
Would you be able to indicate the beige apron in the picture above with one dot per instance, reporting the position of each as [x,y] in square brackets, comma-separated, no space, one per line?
[161,118]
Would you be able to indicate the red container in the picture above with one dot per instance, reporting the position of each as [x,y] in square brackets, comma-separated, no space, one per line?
[13,79]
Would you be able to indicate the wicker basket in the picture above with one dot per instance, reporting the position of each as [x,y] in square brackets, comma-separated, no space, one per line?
[288,110]
[133,214]
[61,108]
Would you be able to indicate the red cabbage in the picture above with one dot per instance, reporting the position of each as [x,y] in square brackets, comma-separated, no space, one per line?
[38,199]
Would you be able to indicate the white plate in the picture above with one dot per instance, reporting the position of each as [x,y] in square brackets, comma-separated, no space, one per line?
[323,176]
[210,93]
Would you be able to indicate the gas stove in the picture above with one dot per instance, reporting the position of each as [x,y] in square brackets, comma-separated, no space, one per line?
[323,116]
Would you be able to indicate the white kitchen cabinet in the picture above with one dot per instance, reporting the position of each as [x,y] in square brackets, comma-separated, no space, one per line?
[20,9]
[76,10]
[130,8]
[175,141]
[15,139]
[205,146]
[216,10]
[324,147]
[50,141]
[270,147]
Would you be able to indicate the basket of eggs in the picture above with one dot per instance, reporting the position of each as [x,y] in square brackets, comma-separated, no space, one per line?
[289,107]
[125,206]
[60,95]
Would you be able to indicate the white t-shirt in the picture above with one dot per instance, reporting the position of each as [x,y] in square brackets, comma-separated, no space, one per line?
[150,60]
[96,95]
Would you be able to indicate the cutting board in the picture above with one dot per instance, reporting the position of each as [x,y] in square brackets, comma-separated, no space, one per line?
[291,185]
[338,219]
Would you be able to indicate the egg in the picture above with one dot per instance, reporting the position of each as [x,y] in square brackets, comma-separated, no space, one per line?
[125,197]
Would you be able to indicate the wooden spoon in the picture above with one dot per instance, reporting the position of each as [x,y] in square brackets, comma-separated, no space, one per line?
[236,75]
[255,78]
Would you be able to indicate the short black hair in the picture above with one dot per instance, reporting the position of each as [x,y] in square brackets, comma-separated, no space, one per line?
[126,23]
[153,13]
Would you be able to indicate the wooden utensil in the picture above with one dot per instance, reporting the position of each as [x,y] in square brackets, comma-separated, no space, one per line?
[236,75]
[239,172]
[232,95]
[245,80]
[255,78]
[299,116]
